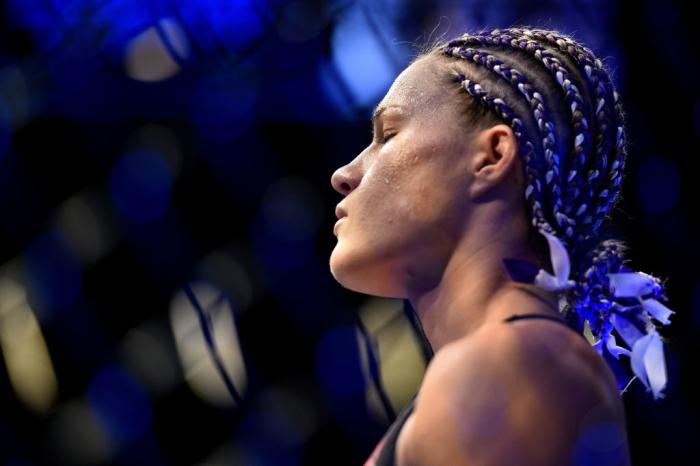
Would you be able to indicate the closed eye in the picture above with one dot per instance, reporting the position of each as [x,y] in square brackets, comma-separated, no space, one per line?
[385,137]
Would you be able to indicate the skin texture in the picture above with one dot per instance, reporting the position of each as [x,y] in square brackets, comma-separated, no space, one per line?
[432,212]
[433,206]
[527,393]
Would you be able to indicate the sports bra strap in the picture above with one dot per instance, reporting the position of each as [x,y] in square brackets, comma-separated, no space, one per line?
[533,316]
[543,316]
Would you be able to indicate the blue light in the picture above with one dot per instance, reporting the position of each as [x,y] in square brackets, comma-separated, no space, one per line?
[140,185]
[359,58]
[222,104]
[36,16]
[338,364]
[120,403]
[335,91]
[94,27]
[600,444]
[658,185]
[232,23]
[82,25]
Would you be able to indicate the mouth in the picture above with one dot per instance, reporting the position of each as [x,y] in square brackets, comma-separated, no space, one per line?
[337,224]
[340,212]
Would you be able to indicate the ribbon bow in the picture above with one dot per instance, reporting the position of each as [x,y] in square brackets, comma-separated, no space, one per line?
[647,355]
[527,272]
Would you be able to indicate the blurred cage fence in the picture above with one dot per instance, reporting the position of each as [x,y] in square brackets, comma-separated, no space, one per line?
[166,221]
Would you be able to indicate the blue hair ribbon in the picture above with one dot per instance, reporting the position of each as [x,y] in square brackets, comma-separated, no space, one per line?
[645,346]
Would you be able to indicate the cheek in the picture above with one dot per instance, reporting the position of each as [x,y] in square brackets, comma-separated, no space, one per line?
[433,183]
[415,183]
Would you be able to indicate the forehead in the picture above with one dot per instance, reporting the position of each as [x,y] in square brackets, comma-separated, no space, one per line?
[419,86]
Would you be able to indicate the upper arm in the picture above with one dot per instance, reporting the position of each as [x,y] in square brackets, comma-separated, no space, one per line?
[503,399]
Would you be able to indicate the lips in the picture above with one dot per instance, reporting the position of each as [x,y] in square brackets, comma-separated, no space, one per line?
[337,224]
[340,212]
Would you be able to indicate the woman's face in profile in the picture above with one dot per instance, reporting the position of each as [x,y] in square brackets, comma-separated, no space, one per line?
[405,194]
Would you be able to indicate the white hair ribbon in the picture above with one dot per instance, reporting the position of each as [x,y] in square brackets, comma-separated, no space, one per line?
[560,265]
[647,356]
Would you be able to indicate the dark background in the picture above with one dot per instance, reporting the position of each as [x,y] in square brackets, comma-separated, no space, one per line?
[146,145]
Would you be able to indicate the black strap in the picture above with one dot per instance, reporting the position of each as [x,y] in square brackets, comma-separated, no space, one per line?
[544,316]
[387,456]
[534,316]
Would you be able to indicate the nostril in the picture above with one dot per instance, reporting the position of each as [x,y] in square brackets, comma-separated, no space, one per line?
[345,186]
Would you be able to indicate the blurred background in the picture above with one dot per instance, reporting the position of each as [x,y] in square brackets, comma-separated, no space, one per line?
[166,221]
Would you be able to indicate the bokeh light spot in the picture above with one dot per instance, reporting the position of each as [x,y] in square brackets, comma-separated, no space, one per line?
[359,58]
[197,359]
[53,273]
[120,403]
[155,54]
[76,435]
[337,361]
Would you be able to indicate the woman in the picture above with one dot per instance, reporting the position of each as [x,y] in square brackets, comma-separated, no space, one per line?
[505,285]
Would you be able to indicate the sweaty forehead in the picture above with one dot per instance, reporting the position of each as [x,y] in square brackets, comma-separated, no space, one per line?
[419,88]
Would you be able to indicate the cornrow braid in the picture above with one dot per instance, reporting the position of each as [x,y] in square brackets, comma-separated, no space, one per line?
[598,293]
[574,100]
[602,87]
[539,111]
[501,108]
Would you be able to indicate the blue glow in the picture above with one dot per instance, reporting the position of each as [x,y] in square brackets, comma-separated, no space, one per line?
[120,403]
[600,444]
[36,16]
[221,106]
[359,58]
[336,92]
[337,361]
[658,185]
[234,23]
[82,25]
[53,273]
[141,185]
[99,26]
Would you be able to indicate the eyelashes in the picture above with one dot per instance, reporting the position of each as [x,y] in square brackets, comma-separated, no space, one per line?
[382,136]
[386,137]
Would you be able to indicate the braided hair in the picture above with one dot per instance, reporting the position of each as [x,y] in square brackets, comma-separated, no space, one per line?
[563,108]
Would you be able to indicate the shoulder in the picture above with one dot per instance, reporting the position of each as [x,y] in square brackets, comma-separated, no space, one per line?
[522,394]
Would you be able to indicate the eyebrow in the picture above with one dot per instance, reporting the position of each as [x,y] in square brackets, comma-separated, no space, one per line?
[379,110]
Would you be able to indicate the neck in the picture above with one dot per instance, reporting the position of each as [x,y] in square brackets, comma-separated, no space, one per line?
[475,289]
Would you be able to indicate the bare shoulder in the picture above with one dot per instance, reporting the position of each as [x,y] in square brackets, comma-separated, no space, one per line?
[530,392]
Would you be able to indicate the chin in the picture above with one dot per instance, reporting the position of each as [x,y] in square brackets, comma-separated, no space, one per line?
[363,277]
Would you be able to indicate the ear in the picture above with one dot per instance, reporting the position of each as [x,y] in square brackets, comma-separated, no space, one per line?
[494,160]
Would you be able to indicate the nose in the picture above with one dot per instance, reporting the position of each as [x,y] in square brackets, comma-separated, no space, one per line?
[344,181]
